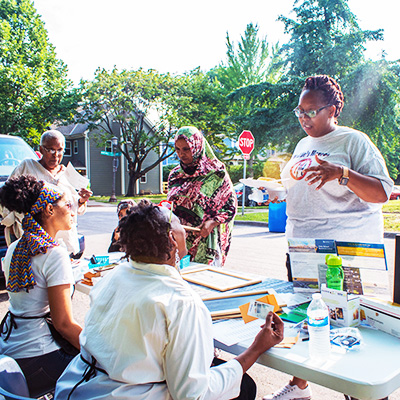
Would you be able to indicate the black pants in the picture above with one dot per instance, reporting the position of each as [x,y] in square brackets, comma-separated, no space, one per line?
[248,388]
[289,268]
[42,372]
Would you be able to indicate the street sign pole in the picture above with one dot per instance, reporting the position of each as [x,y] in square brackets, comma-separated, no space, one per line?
[246,146]
[244,186]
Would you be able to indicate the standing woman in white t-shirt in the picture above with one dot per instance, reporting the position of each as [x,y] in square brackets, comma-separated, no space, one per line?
[336,183]
[39,276]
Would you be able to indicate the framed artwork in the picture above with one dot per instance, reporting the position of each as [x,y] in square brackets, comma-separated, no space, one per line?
[218,279]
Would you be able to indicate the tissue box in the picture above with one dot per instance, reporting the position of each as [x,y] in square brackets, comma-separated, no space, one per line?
[381,314]
[344,308]
[185,262]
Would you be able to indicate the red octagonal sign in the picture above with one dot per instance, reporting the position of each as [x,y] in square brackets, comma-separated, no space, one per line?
[246,142]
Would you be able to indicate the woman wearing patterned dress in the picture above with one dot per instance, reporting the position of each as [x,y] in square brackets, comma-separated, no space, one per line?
[203,196]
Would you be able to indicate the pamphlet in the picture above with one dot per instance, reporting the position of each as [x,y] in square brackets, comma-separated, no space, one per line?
[75,178]
[364,265]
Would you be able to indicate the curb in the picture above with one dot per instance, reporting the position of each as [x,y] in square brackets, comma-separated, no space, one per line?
[386,235]
[92,203]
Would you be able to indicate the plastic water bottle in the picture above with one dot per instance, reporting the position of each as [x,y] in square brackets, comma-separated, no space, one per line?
[318,328]
[334,273]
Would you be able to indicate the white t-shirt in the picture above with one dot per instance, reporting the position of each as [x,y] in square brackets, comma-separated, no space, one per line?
[32,337]
[153,335]
[334,211]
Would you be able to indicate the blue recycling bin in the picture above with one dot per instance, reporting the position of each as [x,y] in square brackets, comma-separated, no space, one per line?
[277,217]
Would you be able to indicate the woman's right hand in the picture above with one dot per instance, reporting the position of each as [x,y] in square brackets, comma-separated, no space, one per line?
[271,334]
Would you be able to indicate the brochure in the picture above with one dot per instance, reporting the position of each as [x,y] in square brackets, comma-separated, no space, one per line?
[364,265]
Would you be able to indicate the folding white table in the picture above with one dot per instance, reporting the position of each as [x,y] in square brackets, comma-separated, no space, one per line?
[370,373]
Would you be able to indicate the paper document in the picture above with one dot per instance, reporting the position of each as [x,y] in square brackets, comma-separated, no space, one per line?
[232,331]
[75,178]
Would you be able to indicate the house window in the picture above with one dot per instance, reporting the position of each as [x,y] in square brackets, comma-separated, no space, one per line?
[67,152]
[75,147]
[143,178]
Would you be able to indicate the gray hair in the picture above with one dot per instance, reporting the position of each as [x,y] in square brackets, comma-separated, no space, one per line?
[52,134]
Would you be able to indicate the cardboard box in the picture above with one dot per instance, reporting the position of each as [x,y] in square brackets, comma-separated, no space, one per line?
[381,314]
[344,307]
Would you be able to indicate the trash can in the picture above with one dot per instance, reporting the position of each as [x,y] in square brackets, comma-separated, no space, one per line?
[277,217]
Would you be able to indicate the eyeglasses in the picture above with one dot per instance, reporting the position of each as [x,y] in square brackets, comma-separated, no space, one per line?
[169,205]
[310,113]
[52,151]
[67,204]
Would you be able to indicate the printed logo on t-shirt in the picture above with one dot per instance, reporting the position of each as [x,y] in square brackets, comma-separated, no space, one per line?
[297,169]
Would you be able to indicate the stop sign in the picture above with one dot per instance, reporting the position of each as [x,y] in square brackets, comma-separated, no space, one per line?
[246,142]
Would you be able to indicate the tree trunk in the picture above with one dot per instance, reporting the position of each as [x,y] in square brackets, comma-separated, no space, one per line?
[132,185]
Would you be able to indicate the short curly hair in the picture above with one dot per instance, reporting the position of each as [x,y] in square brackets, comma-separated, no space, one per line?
[20,194]
[329,88]
[144,232]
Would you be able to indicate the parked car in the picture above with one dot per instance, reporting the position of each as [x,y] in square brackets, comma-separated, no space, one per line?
[395,195]
[254,196]
[12,151]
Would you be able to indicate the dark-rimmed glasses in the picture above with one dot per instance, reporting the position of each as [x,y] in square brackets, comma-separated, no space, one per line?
[309,113]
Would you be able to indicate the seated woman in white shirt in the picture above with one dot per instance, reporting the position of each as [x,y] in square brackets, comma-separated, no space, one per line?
[38,276]
[148,335]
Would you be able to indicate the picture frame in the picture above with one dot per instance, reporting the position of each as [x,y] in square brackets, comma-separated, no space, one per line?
[218,279]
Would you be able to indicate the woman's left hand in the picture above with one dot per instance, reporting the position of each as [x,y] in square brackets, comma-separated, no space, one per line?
[206,227]
[84,194]
[322,173]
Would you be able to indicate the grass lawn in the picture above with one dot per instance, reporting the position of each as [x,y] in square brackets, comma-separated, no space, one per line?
[391,211]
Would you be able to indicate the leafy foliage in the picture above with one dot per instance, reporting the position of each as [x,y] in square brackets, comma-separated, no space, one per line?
[325,38]
[254,61]
[200,100]
[373,92]
[34,89]
[138,104]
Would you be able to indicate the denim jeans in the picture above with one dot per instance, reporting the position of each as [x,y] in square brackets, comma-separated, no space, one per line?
[42,372]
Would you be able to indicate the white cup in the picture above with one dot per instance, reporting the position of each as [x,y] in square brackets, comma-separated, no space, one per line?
[279,192]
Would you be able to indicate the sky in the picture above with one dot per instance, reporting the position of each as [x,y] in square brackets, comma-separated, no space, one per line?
[179,35]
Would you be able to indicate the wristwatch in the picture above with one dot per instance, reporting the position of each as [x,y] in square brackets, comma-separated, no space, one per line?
[344,179]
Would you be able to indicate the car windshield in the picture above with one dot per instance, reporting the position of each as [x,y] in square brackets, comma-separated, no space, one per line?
[12,152]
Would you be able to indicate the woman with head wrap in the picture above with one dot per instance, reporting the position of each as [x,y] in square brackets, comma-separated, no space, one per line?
[39,276]
[203,196]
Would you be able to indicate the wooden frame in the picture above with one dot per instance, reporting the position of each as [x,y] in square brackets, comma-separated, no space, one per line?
[218,279]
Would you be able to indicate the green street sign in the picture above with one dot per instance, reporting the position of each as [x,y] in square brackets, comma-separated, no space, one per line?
[110,154]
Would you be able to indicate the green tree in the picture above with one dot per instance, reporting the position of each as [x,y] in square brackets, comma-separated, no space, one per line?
[372,95]
[250,61]
[138,104]
[253,61]
[325,38]
[34,89]
[200,100]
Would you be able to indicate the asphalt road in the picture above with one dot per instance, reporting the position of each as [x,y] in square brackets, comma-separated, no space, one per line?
[253,250]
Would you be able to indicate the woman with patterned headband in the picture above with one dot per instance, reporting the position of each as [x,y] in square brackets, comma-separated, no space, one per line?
[39,276]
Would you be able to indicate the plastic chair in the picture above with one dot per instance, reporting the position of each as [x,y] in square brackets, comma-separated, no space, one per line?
[12,380]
